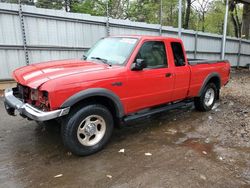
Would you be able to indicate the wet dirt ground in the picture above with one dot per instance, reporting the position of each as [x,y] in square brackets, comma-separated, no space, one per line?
[189,149]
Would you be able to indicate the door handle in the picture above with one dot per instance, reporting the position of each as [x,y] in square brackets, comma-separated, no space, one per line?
[168,74]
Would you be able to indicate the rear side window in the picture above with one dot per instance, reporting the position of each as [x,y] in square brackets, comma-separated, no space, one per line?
[154,53]
[178,54]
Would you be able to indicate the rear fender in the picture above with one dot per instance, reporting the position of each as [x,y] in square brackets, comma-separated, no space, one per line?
[207,80]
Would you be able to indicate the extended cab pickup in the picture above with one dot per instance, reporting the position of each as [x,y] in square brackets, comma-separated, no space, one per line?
[120,79]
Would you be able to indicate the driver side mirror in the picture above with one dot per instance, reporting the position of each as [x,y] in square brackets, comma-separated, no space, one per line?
[139,64]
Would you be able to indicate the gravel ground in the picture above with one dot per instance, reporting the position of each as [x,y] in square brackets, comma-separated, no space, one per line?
[188,149]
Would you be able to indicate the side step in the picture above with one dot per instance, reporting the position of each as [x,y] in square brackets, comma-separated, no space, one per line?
[157,110]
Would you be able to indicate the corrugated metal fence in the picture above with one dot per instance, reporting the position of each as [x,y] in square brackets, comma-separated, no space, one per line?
[30,35]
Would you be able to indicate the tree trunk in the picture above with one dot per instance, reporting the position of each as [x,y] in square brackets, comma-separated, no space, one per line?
[183,11]
[203,21]
[246,21]
[238,21]
[236,34]
[187,17]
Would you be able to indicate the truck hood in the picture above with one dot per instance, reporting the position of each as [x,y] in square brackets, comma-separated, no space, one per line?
[36,74]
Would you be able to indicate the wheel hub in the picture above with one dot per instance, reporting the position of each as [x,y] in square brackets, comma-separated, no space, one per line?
[90,129]
[209,97]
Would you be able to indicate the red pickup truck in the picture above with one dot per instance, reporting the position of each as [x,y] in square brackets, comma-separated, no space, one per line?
[119,79]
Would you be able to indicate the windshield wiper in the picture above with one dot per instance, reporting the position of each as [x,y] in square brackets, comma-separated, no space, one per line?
[102,60]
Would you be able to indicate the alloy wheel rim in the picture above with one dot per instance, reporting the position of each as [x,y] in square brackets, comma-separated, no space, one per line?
[209,97]
[91,130]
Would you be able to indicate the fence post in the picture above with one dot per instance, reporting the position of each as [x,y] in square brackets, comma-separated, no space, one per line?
[20,13]
[224,37]
[107,21]
[239,53]
[195,44]
[160,31]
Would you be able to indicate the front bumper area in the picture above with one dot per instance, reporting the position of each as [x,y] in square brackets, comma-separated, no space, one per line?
[12,103]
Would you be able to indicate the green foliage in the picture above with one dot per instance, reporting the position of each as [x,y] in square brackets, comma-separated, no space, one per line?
[95,8]
[144,11]
[117,9]
[215,19]
[26,2]
[170,12]
[54,4]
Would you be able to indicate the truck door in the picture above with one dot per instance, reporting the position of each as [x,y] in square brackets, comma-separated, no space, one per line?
[181,71]
[152,85]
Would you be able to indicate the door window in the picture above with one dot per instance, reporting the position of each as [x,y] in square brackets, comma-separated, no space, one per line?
[178,54]
[154,53]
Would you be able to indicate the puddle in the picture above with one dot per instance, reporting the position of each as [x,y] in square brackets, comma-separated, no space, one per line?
[198,146]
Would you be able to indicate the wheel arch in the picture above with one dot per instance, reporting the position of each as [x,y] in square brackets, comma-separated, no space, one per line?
[100,95]
[211,78]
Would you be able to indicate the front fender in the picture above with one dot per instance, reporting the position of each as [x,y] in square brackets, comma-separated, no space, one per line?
[100,92]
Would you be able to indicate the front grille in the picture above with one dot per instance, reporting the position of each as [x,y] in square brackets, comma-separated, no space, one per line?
[22,92]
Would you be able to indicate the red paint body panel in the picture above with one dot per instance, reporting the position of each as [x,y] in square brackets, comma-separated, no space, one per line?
[139,90]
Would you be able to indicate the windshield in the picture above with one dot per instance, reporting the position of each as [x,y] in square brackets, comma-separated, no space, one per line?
[113,51]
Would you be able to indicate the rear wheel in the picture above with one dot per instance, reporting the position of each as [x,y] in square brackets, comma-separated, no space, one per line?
[207,99]
[88,129]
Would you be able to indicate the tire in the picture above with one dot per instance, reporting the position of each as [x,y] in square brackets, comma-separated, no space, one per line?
[204,103]
[87,130]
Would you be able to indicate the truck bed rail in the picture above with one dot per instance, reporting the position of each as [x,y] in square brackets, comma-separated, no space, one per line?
[203,61]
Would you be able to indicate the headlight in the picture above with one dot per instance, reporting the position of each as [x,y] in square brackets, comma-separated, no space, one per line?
[40,99]
[34,94]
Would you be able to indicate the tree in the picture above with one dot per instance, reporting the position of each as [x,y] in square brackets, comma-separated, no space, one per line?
[144,11]
[188,13]
[201,7]
[50,4]
[68,4]
[169,12]
[246,21]
[237,23]
[215,18]
[26,2]
[119,8]
[95,8]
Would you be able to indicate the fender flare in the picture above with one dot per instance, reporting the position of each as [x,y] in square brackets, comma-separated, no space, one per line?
[98,92]
[207,79]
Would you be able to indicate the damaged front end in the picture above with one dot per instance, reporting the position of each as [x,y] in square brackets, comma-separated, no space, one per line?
[30,103]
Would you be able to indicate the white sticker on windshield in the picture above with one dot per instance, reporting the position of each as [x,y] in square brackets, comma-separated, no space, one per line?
[128,40]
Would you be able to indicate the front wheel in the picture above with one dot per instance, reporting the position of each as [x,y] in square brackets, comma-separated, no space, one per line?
[88,129]
[207,99]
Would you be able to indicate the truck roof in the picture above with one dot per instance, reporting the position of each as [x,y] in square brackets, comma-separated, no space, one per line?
[148,37]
